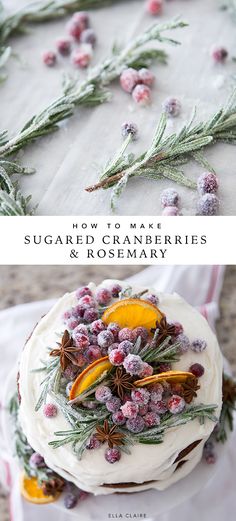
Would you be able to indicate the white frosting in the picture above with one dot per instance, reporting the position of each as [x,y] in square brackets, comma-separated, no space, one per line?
[146,462]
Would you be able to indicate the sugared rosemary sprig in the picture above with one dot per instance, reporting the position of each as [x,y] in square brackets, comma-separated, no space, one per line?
[92,90]
[52,371]
[43,11]
[166,153]
[12,201]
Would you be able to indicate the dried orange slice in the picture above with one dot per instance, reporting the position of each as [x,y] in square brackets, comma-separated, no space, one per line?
[133,313]
[33,493]
[168,376]
[89,376]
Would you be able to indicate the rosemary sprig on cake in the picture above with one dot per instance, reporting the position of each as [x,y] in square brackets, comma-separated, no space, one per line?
[12,202]
[167,154]
[92,91]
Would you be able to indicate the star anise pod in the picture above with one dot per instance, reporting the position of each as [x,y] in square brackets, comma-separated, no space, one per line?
[120,382]
[229,390]
[109,434]
[65,350]
[190,388]
[53,486]
[165,330]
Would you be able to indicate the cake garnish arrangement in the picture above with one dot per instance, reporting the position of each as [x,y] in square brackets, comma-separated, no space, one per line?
[119,381]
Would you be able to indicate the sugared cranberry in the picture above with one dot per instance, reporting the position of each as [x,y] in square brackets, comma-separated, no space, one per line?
[146,370]
[93,443]
[63,46]
[115,290]
[105,338]
[133,365]
[126,347]
[146,77]
[90,315]
[93,353]
[169,197]
[36,460]
[112,455]
[128,129]
[198,345]
[170,211]
[172,107]
[151,419]
[140,396]
[135,425]
[88,36]
[113,404]
[87,301]
[154,7]
[130,409]
[208,204]
[114,328]
[50,410]
[103,296]
[150,297]
[197,369]
[103,393]
[116,357]
[81,292]
[118,418]
[219,54]
[125,334]
[207,183]
[142,95]
[129,78]
[82,57]
[97,326]
[141,332]
[81,341]
[176,404]
[49,58]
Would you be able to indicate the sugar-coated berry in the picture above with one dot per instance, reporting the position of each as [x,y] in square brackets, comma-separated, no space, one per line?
[36,460]
[146,77]
[82,291]
[135,425]
[93,353]
[63,46]
[159,407]
[176,404]
[140,396]
[112,455]
[143,409]
[170,211]
[80,359]
[141,332]
[146,370]
[81,329]
[156,393]
[103,394]
[154,7]
[87,301]
[208,204]
[93,339]
[172,107]
[117,356]
[178,328]
[125,334]
[197,369]
[133,364]
[198,345]
[129,78]
[114,328]
[129,129]
[151,419]
[103,296]
[78,311]
[49,58]
[150,297]
[74,29]
[126,347]
[70,500]
[81,341]
[67,314]
[97,326]
[130,409]
[118,418]
[207,183]
[169,197]
[105,338]
[115,290]
[210,459]
[68,388]
[50,410]
[81,17]
[112,347]
[88,36]
[93,443]
[72,323]
[219,54]
[113,404]
[90,315]
[184,342]
[82,57]
[70,372]
[142,95]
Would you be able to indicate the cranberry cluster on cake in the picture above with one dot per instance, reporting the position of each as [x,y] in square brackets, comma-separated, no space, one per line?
[120,388]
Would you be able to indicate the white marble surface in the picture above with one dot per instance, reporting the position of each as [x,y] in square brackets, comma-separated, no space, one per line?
[69,160]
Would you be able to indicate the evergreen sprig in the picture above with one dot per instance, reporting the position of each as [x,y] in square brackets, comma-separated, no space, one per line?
[92,90]
[167,153]
[51,381]
[226,421]
[42,11]
[12,202]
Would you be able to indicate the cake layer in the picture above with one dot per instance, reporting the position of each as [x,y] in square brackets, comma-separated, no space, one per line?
[147,463]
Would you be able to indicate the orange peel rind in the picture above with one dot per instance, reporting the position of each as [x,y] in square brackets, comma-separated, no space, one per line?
[89,375]
[168,376]
[133,313]
[33,493]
